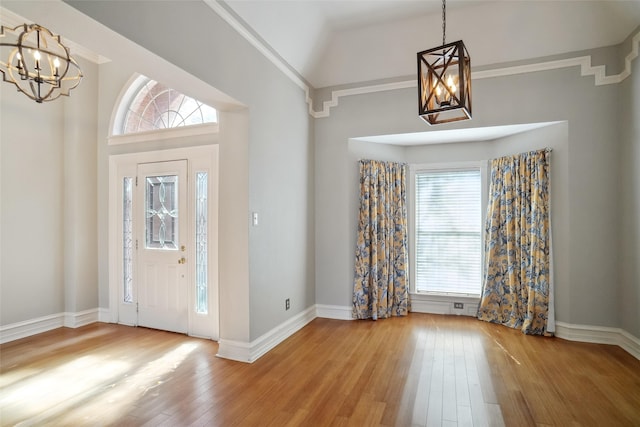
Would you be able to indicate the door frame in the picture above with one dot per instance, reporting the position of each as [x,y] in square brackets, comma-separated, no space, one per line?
[199,159]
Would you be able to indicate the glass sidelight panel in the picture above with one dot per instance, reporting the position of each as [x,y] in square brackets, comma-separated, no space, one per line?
[201,242]
[127,239]
[161,211]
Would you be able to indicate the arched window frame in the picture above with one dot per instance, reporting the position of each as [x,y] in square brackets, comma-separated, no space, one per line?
[129,96]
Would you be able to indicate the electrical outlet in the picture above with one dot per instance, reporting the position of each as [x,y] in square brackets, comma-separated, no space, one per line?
[458,305]
[287,304]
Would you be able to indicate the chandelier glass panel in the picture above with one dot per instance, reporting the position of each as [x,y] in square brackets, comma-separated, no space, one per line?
[444,81]
[37,63]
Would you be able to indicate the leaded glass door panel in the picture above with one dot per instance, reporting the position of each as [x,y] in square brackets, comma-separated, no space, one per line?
[162,239]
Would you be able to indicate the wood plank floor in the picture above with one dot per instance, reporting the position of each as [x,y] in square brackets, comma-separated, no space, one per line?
[422,370]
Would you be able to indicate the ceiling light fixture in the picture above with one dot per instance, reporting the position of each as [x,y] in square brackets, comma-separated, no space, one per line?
[444,80]
[37,62]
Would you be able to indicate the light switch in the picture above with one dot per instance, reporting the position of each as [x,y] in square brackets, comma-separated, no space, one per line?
[255,219]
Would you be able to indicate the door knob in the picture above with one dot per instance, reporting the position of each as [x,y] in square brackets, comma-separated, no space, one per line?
[182,261]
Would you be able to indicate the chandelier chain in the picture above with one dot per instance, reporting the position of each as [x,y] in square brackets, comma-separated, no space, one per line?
[444,20]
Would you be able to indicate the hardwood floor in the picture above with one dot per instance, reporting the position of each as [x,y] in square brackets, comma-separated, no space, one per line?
[413,371]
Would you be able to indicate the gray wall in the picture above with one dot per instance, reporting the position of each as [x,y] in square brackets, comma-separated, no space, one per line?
[48,222]
[300,175]
[279,154]
[266,165]
[586,166]
[629,188]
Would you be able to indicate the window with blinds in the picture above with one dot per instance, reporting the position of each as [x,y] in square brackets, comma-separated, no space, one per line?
[448,231]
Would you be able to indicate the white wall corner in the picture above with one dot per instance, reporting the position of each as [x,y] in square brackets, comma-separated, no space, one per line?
[599,335]
[250,352]
[104,316]
[234,350]
[630,343]
[338,312]
[82,318]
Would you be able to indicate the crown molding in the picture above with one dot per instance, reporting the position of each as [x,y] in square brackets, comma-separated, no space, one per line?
[12,20]
[263,48]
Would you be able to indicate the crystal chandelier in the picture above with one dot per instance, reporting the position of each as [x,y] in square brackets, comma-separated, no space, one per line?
[36,61]
[444,80]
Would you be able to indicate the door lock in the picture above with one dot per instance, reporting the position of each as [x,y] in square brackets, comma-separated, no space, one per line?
[183,248]
[182,261]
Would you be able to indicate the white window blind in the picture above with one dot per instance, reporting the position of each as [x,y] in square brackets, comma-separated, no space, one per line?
[448,231]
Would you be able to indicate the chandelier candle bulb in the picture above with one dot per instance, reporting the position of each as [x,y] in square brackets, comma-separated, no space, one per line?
[47,72]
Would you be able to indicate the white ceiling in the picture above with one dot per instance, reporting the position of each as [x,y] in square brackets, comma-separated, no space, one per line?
[332,42]
[488,133]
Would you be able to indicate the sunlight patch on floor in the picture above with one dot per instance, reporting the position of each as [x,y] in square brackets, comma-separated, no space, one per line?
[43,391]
[94,387]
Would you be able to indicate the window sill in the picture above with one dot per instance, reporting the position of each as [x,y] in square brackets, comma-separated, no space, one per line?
[204,129]
[436,303]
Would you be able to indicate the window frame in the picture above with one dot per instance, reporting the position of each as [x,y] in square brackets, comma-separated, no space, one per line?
[123,103]
[442,302]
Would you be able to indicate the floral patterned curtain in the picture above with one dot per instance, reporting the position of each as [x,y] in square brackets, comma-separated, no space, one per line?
[517,282]
[381,288]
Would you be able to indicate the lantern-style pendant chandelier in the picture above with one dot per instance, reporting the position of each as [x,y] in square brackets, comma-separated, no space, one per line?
[444,80]
[37,62]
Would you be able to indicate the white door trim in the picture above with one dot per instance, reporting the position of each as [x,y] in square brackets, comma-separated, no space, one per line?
[200,158]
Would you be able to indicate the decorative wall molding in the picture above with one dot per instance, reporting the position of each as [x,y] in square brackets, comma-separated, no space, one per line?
[599,335]
[338,312]
[250,352]
[337,94]
[18,330]
[584,62]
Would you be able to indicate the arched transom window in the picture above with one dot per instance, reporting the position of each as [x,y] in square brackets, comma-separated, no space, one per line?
[154,106]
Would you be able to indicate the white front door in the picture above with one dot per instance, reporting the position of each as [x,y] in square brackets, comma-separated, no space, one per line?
[162,238]
[163,208]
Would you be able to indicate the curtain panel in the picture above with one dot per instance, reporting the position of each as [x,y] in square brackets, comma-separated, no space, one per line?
[381,287]
[517,282]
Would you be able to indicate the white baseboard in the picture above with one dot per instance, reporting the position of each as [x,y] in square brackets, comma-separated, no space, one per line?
[444,304]
[338,312]
[250,352]
[630,344]
[75,320]
[599,335]
[418,305]
[15,331]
